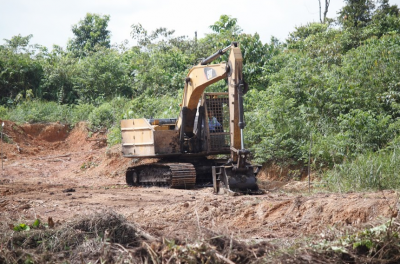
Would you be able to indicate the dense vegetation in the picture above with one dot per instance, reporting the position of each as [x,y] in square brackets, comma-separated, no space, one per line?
[329,93]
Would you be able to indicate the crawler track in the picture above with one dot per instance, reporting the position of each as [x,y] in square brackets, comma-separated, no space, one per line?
[174,175]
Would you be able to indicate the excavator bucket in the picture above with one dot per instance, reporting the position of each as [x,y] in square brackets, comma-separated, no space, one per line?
[228,179]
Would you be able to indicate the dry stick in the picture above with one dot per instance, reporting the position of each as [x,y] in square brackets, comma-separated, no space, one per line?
[151,252]
[224,259]
[121,247]
[172,257]
[309,164]
[230,245]
[198,220]
[96,139]
[142,233]
[57,156]
[82,260]
[57,160]
[1,147]
[254,254]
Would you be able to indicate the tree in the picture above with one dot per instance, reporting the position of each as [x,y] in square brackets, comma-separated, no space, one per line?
[356,13]
[102,76]
[385,19]
[327,3]
[89,33]
[59,69]
[18,43]
[144,39]
[19,70]
[225,24]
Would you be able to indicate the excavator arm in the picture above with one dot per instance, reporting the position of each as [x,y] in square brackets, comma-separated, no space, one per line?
[237,174]
[203,75]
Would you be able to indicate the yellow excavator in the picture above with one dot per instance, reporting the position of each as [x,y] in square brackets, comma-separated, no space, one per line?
[209,124]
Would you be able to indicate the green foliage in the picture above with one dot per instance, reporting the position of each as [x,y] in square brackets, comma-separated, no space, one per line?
[377,244]
[91,32]
[226,24]
[156,107]
[101,116]
[364,130]
[17,44]
[18,70]
[80,112]
[356,13]
[39,111]
[368,171]
[114,135]
[3,113]
[58,78]
[42,111]
[160,62]
[303,32]
[345,102]
[101,76]
[256,55]
[36,223]
[361,21]
[385,19]
[159,72]
[21,227]
[146,39]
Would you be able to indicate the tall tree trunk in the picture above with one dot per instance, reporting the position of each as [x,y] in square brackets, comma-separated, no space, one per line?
[327,2]
[320,19]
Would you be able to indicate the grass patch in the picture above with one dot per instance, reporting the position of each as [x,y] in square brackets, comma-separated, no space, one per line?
[369,171]
[39,111]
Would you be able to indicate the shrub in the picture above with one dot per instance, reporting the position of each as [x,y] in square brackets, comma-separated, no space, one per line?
[114,135]
[369,171]
[101,117]
[3,113]
[39,111]
[80,113]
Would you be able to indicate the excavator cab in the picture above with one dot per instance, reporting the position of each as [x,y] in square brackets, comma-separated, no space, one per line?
[217,111]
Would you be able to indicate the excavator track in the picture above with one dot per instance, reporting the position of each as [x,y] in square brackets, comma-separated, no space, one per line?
[183,175]
[174,175]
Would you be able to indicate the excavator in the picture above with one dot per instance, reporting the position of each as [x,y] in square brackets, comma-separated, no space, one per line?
[209,124]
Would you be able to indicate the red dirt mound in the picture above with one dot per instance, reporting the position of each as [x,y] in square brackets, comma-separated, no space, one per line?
[47,132]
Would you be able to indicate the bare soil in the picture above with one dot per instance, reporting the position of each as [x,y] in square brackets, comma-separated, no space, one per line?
[52,171]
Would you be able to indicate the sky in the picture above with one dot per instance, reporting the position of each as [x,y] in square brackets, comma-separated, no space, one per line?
[50,21]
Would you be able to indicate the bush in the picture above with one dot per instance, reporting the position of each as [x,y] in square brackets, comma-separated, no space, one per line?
[114,135]
[101,117]
[80,113]
[3,113]
[369,171]
[39,111]
[153,107]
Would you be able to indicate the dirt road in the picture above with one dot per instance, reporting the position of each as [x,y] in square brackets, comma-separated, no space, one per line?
[50,171]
